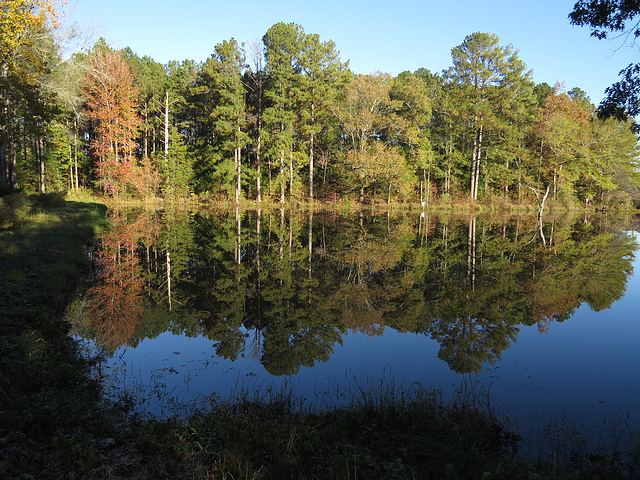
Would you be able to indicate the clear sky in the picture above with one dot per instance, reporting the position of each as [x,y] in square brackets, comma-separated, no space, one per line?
[391,36]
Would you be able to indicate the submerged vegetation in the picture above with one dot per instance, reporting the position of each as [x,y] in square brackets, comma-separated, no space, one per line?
[55,422]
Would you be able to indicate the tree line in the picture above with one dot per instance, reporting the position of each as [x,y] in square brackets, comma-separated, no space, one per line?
[284,119]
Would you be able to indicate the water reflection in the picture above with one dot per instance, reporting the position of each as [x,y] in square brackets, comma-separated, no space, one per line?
[284,287]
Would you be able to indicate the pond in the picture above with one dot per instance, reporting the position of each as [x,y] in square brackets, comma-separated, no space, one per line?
[325,306]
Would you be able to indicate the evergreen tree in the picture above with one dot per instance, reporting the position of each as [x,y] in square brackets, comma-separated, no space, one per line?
[255,78]
[284,48]
[487,78]
[323,76]
[222,117]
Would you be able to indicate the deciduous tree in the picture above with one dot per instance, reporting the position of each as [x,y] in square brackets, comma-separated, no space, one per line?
[111,105]
[372,130]
[26,48]
[563,132]
[620,17]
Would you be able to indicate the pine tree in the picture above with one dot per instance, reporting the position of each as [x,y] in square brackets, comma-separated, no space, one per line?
[486,77]
[284,47]
[222,117]
[322,77]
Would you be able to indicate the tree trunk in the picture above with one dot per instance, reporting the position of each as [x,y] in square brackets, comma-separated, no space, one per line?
[475,163]
[145,131]
[544,199]
[8,154]
[311,168]
[13,167]
[311,154]
[8,166]
[71,179]
[75,151]
[291,172]
[4,170]
[166,127]
[39,147]
[506,185]
[238,174]
[258,56]
[258,153]
[325,165]
[282,180]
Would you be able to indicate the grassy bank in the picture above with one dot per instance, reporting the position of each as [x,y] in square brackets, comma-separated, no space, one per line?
[47,400]
[55,424]
[447,204]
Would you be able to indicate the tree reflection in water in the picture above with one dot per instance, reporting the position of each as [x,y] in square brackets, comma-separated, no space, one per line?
[116,302]
[284,287]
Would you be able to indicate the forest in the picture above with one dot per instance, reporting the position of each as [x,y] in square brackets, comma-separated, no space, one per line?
[284,120]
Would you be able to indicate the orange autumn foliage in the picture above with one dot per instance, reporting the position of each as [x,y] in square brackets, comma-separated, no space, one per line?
[116,301]
[111,100]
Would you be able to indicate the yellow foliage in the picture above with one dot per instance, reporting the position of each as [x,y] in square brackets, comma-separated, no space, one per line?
[20,17]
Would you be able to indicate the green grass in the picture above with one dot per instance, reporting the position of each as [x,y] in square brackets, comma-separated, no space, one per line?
[55,424]
[47,398]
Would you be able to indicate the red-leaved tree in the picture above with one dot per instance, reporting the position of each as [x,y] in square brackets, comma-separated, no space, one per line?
[116,299]
[111,105]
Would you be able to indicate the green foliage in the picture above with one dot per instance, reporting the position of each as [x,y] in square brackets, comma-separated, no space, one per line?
[605,17]
[299,123]
[177,169]
[492,94]
[221,112]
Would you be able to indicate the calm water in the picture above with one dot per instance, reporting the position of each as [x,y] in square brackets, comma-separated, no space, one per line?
[193,305]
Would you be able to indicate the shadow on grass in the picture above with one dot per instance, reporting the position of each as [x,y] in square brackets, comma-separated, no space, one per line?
[49,405]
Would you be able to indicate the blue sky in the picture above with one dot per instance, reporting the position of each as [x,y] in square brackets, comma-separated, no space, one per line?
[390,36]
